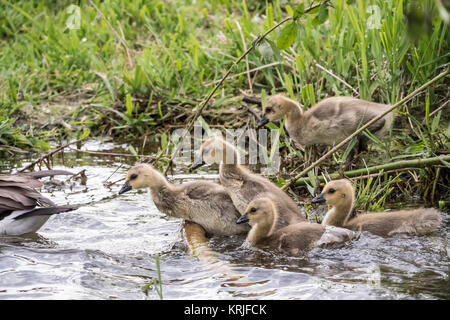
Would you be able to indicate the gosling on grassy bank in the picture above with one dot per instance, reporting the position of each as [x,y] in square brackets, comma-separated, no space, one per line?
[328,122]
[203,202]
[242,185]
[22,208]
[262,215]
[340,195]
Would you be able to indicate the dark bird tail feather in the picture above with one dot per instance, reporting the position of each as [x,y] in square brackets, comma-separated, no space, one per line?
[47,211]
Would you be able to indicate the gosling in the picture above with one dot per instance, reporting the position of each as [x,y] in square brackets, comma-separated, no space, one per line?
[203,202]
[329,122]
[242,185]
[293,239]
[340,195]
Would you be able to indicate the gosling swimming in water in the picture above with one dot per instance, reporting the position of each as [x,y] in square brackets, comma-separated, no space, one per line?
[293,239]
[203,202]
[242,185]
[340,195]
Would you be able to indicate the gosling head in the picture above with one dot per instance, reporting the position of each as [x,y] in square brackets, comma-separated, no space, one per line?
[215,150]
[142,175]
[336,193]
[260,211]
[276,108]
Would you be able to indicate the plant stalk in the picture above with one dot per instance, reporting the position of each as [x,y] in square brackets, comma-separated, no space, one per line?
[403,164]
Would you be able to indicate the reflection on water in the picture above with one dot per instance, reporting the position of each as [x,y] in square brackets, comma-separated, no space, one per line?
[106,250]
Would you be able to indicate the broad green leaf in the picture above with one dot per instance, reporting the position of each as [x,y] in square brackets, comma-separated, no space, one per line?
[287,36]
[289,10]
[299,11]
[322,16]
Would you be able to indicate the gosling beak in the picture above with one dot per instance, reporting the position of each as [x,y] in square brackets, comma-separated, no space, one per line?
[242,219]
[319,199]
[263,121]
[198,164]
[125,187]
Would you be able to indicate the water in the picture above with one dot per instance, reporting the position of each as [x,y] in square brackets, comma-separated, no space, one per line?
[106,250]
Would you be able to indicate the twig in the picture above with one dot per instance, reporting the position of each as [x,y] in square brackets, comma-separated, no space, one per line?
[121,165]
[252,100]
[130,61]
[438,109]
[257,116]
[109,184]
[338,146]
[251,71]
[81,174]
[48,155]
[385,168]
[255,43]
[410,123]
[337,78]
[111,153]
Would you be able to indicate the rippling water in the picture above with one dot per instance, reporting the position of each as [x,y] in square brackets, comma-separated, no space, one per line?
[106,250]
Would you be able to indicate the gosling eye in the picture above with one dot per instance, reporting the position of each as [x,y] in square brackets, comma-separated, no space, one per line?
[331,191]
[133,176]
[269,109]
[253,210]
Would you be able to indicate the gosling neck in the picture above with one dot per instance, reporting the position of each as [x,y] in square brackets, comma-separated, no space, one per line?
[158,182]
[293,112]
[262,230]
[339,215]
[230,164]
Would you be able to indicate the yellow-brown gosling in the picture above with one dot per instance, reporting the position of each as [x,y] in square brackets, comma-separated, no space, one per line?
[328,122]
[293,239]
[203,202]
[340,195]
[242,185]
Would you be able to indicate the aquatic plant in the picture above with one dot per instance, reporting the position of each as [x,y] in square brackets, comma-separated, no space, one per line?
[155,283]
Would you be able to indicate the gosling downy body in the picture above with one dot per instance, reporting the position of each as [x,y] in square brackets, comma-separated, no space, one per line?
[203,202]
[293,239]
[328,122]
[244,186]
[22,208]
[340,195]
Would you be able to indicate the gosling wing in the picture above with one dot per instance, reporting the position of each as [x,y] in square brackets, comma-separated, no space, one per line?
[215,195]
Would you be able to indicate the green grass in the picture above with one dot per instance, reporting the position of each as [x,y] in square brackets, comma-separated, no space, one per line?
[175,47]
[137,66]
[156,283]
